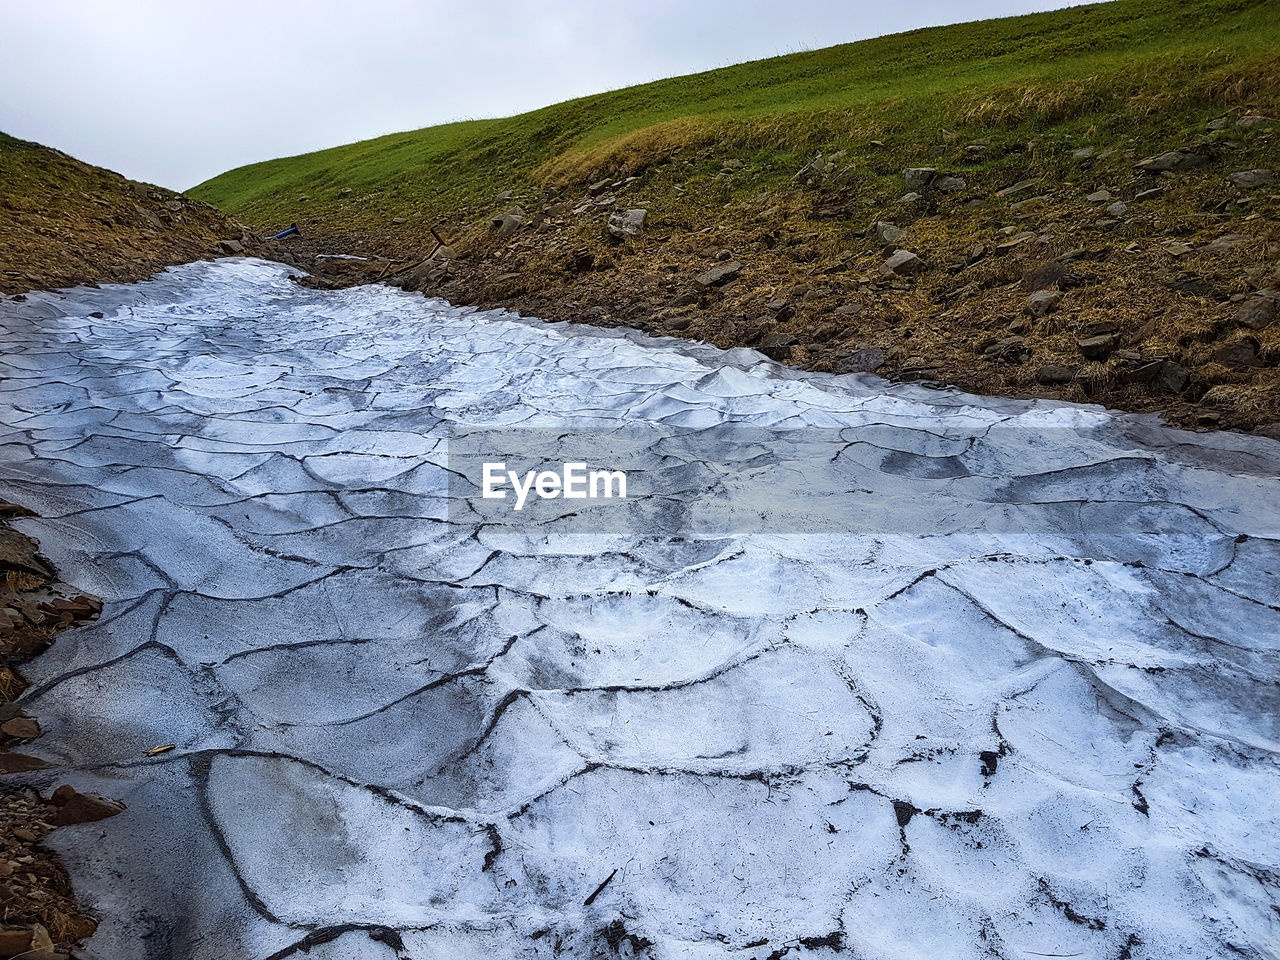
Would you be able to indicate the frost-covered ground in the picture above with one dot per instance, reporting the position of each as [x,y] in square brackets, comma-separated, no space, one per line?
[402,733]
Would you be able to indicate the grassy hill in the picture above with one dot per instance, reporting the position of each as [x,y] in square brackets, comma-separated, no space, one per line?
[1104,69]
[1050,260]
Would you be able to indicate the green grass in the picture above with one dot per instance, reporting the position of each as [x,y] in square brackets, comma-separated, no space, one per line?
[1151,69]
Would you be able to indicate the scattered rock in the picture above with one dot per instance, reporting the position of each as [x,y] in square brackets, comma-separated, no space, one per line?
[230,247]
[911,197]
[1240,354]
[1044,276]
[1098,347]
[887,234]
[1271,430]
[85,808]
[917,178]
[719,275]
[1010,348]
[949,184]
[1228,241]
[628,225]
[1099,196]
[1028,202]
[1173,160]
[1022,186]
[1017,240]
[1043,302]
[1252,179]
[1208,418]
[1254,120]
[14,762]
[504,197]
[20,728]
[396,221]
[1054,375]
[15,943]
[781,310]
[509,222]
[902,263]
[1083,153]
[777,346]
[1118,208]
[62,794]
[599,186]
[1257,312]
[862,360]
[1172,378]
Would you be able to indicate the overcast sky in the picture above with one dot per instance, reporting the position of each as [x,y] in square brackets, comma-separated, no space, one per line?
[175,91]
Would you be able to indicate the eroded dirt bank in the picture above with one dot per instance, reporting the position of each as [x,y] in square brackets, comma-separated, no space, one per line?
[1139,275]
[39,916]
[64,223]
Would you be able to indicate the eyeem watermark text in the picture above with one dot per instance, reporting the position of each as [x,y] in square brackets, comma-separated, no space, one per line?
[573,481]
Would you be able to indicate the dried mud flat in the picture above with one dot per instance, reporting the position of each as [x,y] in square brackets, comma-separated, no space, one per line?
[399,731]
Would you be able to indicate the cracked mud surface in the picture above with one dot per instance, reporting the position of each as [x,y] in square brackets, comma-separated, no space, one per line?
[401,735]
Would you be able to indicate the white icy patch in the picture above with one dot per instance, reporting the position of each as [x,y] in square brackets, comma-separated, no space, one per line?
[1034,712]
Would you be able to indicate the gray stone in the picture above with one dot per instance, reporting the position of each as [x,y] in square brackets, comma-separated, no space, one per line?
[1017,240]
[911,197]
[1098,347]
[777,346]
[1028,202]
[628,225]
[1082,153]
[1270,430]
[1173,160]
[1022,186]
[231,246]
[887,234]
[1118,208]
[1228,241]
[1254,120]
[1172,378]
[1043,302]
[1056,374]
[718,275]
[1252,179]
[902,262]
[949,184]
[862,360]
[508,223]
[1259,311]
[503,197]
[917,178]
[1044,275]
[1241,353]
[1010,348]
[599,186]
[1099,196]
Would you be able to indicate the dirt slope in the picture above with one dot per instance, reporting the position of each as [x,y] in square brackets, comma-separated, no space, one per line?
[64,222]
